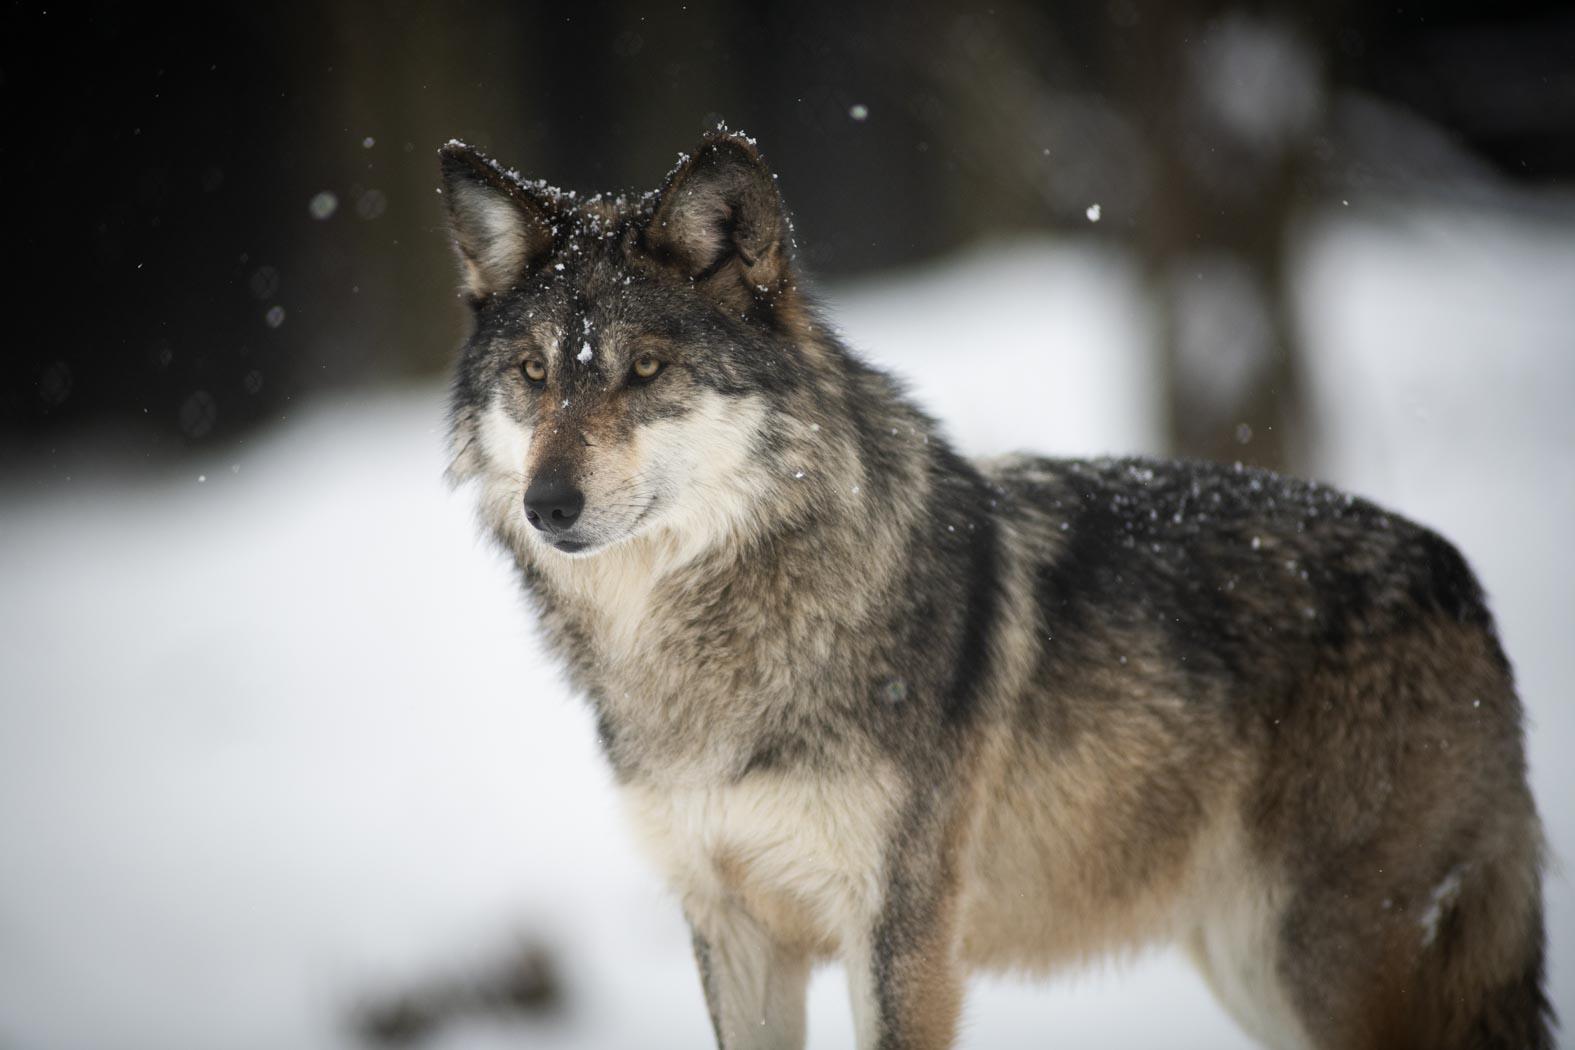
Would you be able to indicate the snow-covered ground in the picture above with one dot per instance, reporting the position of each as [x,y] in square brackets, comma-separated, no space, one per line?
[280,739]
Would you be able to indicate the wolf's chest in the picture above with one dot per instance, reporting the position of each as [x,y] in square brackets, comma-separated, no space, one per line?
[690,686]
[802,854]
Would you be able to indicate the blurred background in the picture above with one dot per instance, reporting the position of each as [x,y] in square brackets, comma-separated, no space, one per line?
[280,761]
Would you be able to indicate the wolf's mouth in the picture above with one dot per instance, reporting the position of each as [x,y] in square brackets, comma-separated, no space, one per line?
[564,545]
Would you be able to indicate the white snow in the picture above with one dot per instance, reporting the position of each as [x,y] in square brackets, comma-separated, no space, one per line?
[1440,898]
[584,356]
[283,740]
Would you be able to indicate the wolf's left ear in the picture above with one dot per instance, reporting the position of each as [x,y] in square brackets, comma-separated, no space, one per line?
[720,222]
[502,229]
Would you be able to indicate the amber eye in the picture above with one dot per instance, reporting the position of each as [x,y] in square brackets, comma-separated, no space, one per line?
[535,370]
[645,369]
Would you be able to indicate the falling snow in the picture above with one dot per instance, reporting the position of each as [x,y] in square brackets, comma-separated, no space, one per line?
[323,205]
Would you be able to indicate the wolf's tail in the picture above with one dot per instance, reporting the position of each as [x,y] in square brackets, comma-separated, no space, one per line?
[1517,1014]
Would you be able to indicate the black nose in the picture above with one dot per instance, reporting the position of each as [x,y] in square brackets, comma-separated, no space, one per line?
[552,504]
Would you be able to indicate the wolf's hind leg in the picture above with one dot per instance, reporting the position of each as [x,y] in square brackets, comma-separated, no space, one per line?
[754,986]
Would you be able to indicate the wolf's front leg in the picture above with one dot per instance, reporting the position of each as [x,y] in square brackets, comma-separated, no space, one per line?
[754,986]
[904,979]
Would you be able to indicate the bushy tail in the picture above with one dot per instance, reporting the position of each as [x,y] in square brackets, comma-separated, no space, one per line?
[1517,1015]
[1486,989]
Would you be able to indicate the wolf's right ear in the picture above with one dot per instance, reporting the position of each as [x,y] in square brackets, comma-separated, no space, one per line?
[502,230]
[719,221]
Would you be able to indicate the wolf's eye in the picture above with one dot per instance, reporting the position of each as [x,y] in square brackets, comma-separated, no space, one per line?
[645,369]
[535,370]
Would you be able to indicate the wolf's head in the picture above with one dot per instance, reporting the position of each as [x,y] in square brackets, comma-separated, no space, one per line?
[635,365]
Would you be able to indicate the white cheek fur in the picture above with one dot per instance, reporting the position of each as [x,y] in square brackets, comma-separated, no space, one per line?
[705,464]
[505,441]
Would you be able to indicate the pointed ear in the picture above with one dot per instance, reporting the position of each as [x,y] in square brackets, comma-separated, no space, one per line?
[720,222]
[502,229]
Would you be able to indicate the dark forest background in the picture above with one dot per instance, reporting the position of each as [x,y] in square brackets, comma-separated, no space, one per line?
[214,211]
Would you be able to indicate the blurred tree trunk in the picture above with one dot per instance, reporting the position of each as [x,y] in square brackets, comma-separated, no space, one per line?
[1216,235]
[1192,123]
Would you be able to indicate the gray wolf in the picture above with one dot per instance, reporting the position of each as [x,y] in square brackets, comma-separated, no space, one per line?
[867,700]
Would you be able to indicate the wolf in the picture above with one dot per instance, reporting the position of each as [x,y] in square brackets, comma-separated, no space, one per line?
[867,700]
